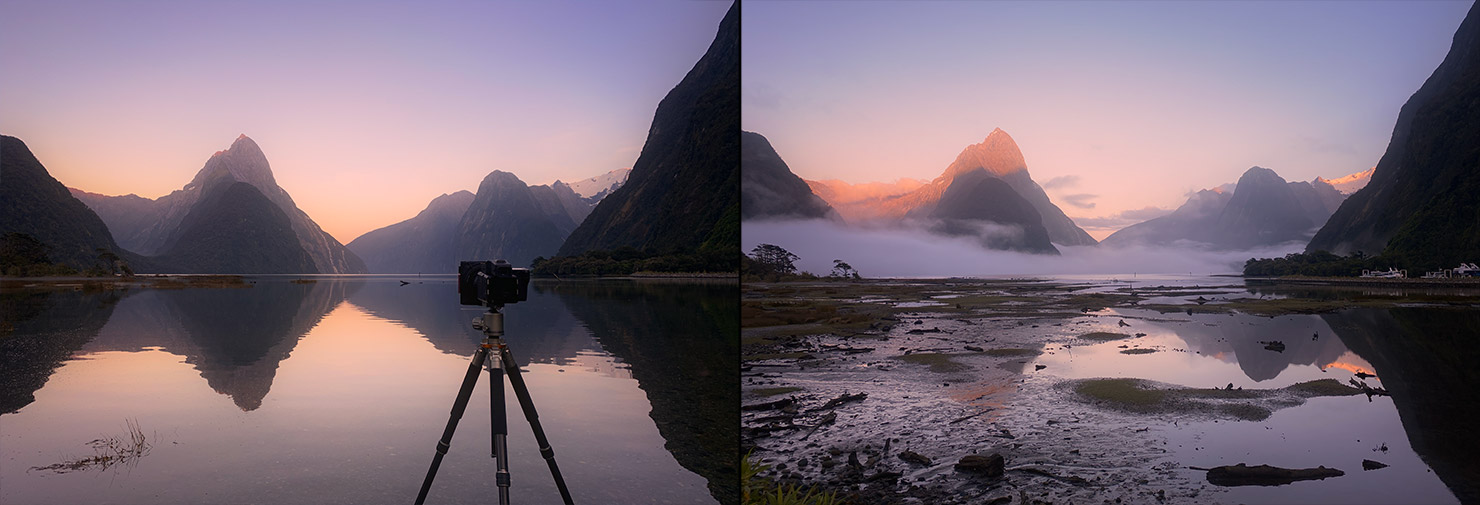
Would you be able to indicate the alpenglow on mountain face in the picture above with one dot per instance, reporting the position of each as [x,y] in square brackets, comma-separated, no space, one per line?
[997,156]
[680,195]
[1420,207]
[150,227]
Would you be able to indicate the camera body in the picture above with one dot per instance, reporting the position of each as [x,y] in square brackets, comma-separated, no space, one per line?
[491,283]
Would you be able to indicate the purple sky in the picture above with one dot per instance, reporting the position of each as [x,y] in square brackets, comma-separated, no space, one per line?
[366,110]
[1127,104]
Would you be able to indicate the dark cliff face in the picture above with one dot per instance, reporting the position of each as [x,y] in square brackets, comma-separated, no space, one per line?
[505,221]
[681,194]
[1420,205]
[34,203]
[234,228]
[768,188]
[422,244]
[979,205]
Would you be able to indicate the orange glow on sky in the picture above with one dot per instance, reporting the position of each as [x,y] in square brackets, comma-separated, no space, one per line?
[366,111]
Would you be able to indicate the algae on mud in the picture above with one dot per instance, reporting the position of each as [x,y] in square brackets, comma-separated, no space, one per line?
[1147,397]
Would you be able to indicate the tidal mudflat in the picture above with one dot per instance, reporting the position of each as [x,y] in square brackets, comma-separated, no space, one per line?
[1102,390]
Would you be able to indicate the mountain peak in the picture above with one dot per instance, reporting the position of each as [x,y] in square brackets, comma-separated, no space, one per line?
[998,154]
[1349,183]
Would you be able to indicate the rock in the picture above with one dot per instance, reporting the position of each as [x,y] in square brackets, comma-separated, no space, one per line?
[992,465]
[915,458]
[1368,464]
[1039,367]
[1123,323]
[1265,475]
[973,348]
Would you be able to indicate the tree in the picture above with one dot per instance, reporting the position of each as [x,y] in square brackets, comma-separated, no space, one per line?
[774,259]
[843,269]
[109,260]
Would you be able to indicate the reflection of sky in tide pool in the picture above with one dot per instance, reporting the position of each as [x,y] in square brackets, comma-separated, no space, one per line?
[1213,350]
[1206,350]
[347,412]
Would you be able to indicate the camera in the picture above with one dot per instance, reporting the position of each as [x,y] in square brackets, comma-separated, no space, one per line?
[491,283]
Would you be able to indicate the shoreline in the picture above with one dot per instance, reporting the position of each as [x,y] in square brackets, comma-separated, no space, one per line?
[1368,281]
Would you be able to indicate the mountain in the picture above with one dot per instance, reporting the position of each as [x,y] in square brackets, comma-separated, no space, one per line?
[1350,183]
[148,225]
[506,220]
[768,188]
[420,244]
[235,229]
[1192,222]
[681,194]
[997,156]
[1262,210]
[594,189]
[836,192]
[34,203]
[978,204]
[1420,205]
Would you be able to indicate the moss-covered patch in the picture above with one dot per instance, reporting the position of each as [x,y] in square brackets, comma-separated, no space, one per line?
[781,390]
[1245,411]
[1324,387]
[939,363]
[1129,393]
[1104,336]
[1138,351]
[1146,397]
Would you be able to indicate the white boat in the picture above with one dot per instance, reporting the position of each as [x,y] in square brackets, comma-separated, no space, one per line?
[1391,273]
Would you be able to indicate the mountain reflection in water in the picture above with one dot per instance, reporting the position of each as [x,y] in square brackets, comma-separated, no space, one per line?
[348,380]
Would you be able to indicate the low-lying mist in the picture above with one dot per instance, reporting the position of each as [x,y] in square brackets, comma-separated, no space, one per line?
[892,252]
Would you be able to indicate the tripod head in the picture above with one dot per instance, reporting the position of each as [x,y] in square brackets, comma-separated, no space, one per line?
[491,323]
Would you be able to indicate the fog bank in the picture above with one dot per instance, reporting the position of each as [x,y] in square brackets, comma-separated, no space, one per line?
[883,252]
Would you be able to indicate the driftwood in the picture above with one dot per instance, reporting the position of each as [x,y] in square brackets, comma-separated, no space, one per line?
[1368,390]
[769,405]
[826,420]
[1265,475]
[845,398]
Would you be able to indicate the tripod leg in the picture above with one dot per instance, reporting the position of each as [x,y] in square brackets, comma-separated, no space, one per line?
[458,406]
[522,392]
[500,422]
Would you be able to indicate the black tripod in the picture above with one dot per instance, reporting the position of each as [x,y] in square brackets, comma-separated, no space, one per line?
[499,362]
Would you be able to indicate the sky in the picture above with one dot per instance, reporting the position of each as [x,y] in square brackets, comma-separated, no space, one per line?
[365,110]
[1121,109]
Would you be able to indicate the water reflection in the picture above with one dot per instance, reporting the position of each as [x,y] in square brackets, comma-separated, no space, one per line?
[41,329]
[681,339]
[335,402]
[539,330]
[1426,358]
[235,337]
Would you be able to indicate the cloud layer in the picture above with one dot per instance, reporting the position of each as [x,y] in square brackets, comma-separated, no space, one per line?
[877,252]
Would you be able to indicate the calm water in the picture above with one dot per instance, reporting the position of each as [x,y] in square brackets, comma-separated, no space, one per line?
[337,391]
[1423,352]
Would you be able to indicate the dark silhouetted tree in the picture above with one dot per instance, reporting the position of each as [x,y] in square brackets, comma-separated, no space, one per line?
[775,259]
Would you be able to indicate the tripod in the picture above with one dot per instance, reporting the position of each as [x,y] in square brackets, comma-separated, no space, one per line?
[500,360]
